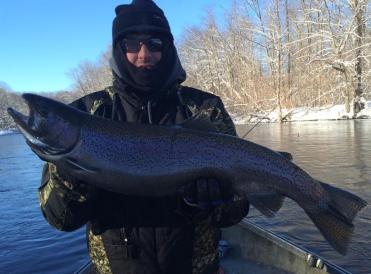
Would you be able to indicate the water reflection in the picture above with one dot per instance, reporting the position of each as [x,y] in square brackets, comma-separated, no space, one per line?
[28,243]
[336,152]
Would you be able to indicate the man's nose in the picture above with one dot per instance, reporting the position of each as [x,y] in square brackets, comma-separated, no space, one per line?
[144,52]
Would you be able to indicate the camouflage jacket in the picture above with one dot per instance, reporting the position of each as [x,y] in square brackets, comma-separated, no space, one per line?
[142,235]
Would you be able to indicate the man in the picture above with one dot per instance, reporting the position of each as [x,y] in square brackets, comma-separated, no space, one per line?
[142,235]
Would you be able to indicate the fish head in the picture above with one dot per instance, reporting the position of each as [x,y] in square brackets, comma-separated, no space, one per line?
[49,128]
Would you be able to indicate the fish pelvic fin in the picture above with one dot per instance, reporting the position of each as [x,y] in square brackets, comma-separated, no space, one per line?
[346,203]
[267,203]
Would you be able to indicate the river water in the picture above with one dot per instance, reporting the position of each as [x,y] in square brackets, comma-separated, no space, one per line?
[336,152]
[28,244]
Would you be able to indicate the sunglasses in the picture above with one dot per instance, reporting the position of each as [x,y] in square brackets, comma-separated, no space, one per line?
[133,45]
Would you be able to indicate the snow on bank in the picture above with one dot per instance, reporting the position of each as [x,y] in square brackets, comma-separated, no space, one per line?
[7,131]
[336,112]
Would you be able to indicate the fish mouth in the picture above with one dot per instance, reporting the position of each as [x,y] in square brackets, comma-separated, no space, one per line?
[25,123]
[19,118]
[43,128]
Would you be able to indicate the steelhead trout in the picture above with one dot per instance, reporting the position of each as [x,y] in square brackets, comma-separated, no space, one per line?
[150,160]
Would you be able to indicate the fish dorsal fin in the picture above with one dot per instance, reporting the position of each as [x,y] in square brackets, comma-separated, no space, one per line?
[199,121]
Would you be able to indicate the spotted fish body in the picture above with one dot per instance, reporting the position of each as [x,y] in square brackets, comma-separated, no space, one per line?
[149,160]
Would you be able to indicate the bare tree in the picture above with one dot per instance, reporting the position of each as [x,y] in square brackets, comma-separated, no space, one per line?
[92,76]
[359,10]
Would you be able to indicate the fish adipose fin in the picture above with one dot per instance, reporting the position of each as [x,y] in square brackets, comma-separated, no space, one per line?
[267,203]
[287,155]
[335,220]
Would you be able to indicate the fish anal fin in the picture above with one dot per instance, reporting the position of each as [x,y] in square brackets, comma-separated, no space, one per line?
[262,195]
[268,203]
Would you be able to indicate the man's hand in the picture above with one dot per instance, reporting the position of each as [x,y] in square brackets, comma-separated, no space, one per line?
[205,193]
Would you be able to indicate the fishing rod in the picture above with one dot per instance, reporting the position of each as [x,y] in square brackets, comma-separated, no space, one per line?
[257,123]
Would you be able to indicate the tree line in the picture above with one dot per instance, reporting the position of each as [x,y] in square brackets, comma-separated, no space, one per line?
[269,56]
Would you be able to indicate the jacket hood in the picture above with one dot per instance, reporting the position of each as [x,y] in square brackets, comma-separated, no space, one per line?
[170,75]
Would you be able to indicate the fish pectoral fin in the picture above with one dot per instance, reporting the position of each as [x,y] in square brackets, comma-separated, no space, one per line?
[268,203]
[77,167]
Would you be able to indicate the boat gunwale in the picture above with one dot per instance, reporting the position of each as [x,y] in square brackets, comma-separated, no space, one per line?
[279,240]
[292,247]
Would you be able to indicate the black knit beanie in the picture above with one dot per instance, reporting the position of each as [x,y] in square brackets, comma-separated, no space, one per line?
[138,18]
[141,16]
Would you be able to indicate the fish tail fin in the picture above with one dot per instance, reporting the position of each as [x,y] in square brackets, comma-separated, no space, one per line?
[334,228]
[345,202]
[335,219]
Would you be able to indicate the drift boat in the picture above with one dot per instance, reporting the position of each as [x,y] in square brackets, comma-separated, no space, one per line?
[254,249]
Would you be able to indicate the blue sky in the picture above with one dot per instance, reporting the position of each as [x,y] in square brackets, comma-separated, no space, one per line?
[41,40]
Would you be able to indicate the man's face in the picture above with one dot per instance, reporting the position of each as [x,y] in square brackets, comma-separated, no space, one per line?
[143,51]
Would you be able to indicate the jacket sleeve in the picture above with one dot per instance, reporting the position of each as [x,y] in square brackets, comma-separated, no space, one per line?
[66,206]
[210,107]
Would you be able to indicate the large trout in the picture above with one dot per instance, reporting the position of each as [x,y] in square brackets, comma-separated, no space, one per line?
[150,160]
